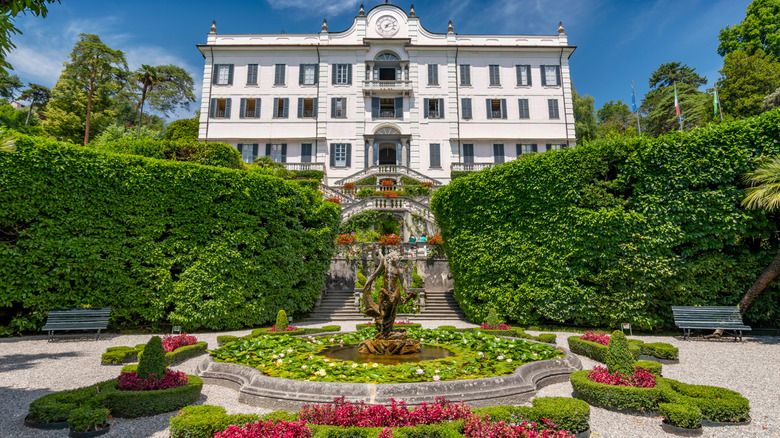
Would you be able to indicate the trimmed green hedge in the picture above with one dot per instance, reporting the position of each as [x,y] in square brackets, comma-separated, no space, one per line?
[226,339]
[119,355]
[316,175]
[660,350]
[56,407]
[655,367]
[617,397]
[686,416]
[566,413]
[201,152]
[716,404]
[154,240]
[395,327]
[598,352]
[614,230]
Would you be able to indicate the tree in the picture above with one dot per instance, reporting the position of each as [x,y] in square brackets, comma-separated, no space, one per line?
[747,79]
[584,116]
[166,87]
[8,11]
[9,85]
[91,77]
[616,118]
[764,193]
[658,103]
[759,30]
[36,93]
[182,129]
[772,101]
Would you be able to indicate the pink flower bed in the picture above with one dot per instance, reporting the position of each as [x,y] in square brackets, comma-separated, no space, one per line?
[499,326]
[600,338]
[344,413]
[288,329]
[641,379]
[131,381]
[267,429]
[480,427]
[171,343]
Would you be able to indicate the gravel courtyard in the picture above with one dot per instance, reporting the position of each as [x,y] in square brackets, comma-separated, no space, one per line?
[31,367]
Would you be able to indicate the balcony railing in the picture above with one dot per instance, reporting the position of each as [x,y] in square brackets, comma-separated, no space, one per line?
[497,114]
[387,114]
[305,166]
[470,167]
[249,114]
[307,113]
[387,85]
[219,114]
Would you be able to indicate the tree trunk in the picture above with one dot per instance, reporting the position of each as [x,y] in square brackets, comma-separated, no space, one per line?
[29,112]
[89,107]
[141,113]
[766,277]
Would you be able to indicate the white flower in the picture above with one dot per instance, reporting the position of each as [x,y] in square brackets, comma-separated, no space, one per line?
[332,364]
[509,360]
[304,366]
[480,354]
[375,365]
[281,355]
[275,356]
[354,365]
[326,360]
[289,350]
[321,372]
[278,361]
[420,371]
[500,358]
[436,378]
[311,357]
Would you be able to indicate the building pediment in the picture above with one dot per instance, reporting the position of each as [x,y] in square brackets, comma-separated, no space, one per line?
[387,21]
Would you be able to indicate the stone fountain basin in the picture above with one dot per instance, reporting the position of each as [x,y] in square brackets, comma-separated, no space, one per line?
[256,389]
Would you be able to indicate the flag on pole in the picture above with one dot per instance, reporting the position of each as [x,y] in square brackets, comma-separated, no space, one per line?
[676,102]
[633,98]
[715,103]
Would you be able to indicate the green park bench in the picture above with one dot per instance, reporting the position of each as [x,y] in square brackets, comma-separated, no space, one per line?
[88,318]
[724,318]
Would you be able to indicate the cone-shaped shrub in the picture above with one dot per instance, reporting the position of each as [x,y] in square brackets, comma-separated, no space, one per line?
[492,318]
[152,361]
[281,320]
[619,358]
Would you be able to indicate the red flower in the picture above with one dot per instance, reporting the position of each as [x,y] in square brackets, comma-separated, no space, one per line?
[349,186]
[436,240]
[334,199]
[642,378]
[171,343]
[387,183]
[601,338]
[390,239]
[390,194]
[346,239]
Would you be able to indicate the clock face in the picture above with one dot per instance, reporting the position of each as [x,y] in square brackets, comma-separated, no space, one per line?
[387,26]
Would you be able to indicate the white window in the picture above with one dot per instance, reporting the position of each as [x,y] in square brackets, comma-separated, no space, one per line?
[247,153]
[523,74]
[526,149]
[276,153]
[342,75]
[341,154]
[550,75]
[556,146]
[433,109]
[308,74]
[495,77]
[223,73]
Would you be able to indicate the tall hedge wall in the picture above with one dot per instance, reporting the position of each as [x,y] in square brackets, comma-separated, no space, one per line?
[614,231]
[201,152]
[158,241]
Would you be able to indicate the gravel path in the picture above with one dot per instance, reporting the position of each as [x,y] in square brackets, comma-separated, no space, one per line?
[31,367]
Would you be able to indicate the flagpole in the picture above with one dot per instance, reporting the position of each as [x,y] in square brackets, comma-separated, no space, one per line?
[636,109]
[677,106]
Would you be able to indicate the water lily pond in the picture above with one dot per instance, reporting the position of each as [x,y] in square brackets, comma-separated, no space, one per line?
[475,355]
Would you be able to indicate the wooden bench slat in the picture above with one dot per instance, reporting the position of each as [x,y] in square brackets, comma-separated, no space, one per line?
[89,318]
[709,317]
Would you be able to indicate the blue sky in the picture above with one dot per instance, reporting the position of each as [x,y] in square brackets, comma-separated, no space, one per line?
[618,40]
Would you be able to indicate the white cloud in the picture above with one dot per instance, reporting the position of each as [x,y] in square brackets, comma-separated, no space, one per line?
[313,7]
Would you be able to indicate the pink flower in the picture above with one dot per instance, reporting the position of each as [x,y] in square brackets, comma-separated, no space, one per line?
[436,378]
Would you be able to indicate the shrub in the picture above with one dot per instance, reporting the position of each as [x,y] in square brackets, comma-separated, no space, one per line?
[281,321]
[345,413]
[550,338]
[171,379]
[612,231]
[142,403]
[654,367]
[619,359]
[686,416]
[182,129]
[50,410]
[316,175]
[498,327]
[596,351]
[616,397]
[267,429]
[492,318]
[331,328]
[207,153]
[361,279]
[87,419]
[599,338]
[171,343]
[204,421]
[716,404]
[417,281]
[566,413]
[365,192]
[660,350]
[152,362]
[176,227]
[225,339]
[117,355]
[640,378]
[447,327]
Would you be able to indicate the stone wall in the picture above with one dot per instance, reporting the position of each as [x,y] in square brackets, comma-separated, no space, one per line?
[435,273]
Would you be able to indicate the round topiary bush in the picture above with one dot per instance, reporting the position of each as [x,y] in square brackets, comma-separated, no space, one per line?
[619,358]
[152,360]
[281,320]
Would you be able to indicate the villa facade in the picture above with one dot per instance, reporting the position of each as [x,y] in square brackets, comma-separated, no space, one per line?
[387,92]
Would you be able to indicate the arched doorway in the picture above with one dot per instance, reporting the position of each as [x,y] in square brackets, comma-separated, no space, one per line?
[387,154]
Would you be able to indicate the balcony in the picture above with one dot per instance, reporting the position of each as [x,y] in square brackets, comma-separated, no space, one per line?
[470,167]
[380,87]
[305,166]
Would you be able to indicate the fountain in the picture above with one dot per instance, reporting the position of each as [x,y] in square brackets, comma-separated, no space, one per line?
[388,341]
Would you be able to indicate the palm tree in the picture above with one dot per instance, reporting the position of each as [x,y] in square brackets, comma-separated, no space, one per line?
[146,75]
[7,144]
[764,193]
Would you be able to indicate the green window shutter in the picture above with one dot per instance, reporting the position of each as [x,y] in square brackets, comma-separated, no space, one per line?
[332,155]
[503,109]
[316,73]
[242,110]
[518,149]
[257,108]
[215,74]
[425,107]
[315,104]
[441,108]
[522,105]
[300,107]
[276,108]
[286,107]
[301,73]
[435,155]
[518,72]
[268,149]
[227,107]
[284,152]
[558,74]
[230,75]
[466,104]
[334,73]
[528,74]
[240,148]
[375,107]
[349,81]
[534,147]
[306,153]
[349,154]
[489,109]
[255,150]
[332,107]
[399,108]
[544,77]
[213,108]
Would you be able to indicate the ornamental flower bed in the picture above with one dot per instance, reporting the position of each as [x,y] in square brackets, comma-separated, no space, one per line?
[349,185]
[642,378]
[435,240]
[499,326]
[390,194]
[131,381]
[334,199]
[387,183]
[171,343]
[289,328]
[481,427]
[476,355]
[600,338]
[390,239]
[344,413]
[346,239]
[267,429]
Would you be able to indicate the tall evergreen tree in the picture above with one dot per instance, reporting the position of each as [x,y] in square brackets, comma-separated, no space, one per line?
[166,87]
[759,30]
[35,94]
[747,79]
[658,104]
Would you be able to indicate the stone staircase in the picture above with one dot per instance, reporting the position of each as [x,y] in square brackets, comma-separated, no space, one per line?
[340,306]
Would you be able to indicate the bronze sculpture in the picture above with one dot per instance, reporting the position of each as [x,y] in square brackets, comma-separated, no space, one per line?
[391,295]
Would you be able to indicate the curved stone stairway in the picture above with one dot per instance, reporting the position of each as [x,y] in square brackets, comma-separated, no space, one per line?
[340,306]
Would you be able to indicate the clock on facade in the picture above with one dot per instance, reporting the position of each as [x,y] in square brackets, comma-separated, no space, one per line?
[387,26]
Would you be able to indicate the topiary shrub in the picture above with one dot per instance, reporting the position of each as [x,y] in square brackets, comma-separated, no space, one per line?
[716,404]
[281,320]
[86,419]
[361,279]
[417,281]
[619,358]
[660,350]
[152,361]
[617,397]
[681,415]
[550,338]
[565,412]
[492,318]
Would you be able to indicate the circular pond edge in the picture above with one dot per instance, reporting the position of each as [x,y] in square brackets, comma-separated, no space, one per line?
[256,389]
